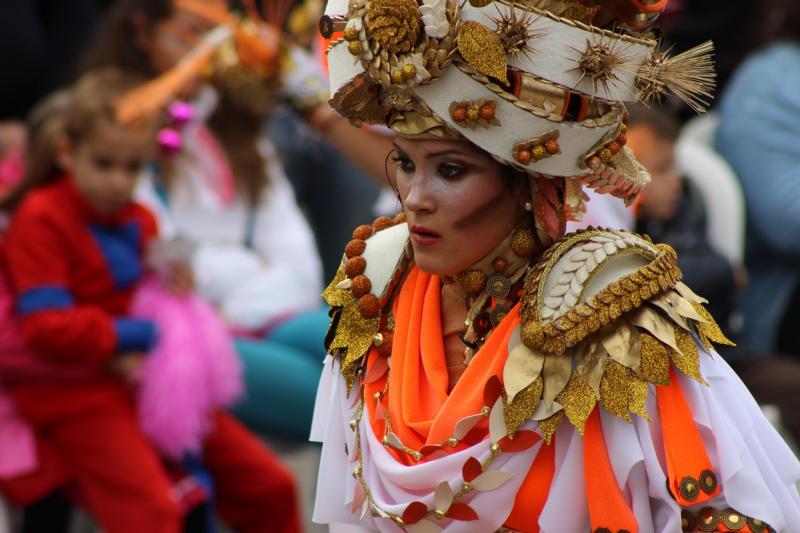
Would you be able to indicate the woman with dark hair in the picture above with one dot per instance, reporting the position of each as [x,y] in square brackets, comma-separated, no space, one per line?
[486,371]
[224,189]
[758,131]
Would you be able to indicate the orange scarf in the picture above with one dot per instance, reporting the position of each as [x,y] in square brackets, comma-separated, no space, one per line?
[421,412]
[420,409]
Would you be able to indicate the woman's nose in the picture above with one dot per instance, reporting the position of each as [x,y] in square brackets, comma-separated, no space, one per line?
[419,198]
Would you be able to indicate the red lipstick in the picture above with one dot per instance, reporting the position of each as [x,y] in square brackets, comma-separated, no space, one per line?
[424,236]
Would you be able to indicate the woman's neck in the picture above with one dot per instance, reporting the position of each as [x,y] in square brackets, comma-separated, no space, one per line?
[475,300]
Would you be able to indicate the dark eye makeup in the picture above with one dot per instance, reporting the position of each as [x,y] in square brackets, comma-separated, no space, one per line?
[451,170]
[447,169]
[403,161]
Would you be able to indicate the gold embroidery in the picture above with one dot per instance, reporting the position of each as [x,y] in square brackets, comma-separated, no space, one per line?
[548,426]
[626,294]
[518,411]
[578,400]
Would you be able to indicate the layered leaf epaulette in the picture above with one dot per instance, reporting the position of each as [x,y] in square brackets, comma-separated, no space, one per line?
[604,316]
[352,334]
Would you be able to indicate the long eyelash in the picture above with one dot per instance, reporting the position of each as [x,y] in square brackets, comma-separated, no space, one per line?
[391,184]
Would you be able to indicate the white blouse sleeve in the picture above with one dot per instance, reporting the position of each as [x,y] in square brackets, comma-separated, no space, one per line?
[290,277]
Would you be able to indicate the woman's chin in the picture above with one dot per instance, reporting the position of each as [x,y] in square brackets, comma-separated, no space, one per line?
[437,263]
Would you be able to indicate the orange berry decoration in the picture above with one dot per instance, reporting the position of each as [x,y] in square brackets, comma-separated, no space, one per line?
[369,306]
[354,248]
[363,232]
[459,113]
[552,147]
[524,156]
[361,286]
[381,223]
[385,347]
[355,266]
[486,112]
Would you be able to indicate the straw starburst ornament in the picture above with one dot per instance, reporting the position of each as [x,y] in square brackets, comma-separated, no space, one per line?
[599,62]
[517,32]
[689,75]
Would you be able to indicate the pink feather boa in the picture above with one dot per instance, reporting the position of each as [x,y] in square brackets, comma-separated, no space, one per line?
[192,371]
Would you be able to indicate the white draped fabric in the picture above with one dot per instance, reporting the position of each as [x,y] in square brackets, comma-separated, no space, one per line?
[757,471]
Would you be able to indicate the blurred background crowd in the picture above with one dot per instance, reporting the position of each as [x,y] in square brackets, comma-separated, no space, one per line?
[252,190]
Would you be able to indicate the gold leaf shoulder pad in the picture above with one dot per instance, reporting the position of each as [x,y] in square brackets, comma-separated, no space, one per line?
[604,316]
[362,288]
[588,280]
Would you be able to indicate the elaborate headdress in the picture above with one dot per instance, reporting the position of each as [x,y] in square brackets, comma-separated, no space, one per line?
[541,85]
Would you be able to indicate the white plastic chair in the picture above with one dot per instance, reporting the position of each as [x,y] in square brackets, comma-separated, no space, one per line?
[715,179]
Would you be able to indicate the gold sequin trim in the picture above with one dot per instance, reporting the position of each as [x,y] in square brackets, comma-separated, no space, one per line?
[548,426]
[578,400]
[482,49]
[621,391]
[654,361]
[525,402]
[687,360]
[710,330]
[623,295]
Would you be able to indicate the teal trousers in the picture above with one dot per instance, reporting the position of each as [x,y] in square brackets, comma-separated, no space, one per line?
[281,374]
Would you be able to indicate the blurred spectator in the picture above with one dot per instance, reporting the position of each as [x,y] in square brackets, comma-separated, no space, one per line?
[758,134]
[671,211]
[74,253]
[325,182]
[226,191]
[40,41]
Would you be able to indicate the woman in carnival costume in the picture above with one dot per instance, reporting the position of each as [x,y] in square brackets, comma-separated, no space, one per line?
[486,371]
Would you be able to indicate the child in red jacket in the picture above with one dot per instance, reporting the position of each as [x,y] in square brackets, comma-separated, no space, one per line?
[74,253]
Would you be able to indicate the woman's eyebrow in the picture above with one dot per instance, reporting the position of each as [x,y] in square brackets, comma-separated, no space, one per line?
[432,155]
[443,153]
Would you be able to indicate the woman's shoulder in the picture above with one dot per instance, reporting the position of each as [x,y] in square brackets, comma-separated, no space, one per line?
[373,261]
[605,315]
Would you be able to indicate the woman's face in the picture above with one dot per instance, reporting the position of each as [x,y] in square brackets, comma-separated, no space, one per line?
[168,40]
[457,206]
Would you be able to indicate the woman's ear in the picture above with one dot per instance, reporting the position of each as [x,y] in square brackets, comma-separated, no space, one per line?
[64,153]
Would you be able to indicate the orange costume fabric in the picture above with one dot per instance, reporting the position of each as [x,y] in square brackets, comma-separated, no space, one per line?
[423,413]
